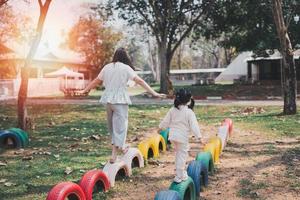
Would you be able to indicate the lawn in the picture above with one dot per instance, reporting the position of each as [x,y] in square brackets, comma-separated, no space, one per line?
[75,137]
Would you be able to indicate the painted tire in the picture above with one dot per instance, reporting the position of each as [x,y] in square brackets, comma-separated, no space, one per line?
[4,135]
[147,149]
[159,143]
[207,161]
[133,158]
[218,147]
[94,181]
[223,134]
[66,190]
[23,135]
[167,195]
[230,125]
[112,171]
[165,134]
[199,174]
[186,189]
[212,148]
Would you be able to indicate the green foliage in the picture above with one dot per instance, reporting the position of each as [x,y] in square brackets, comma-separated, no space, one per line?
[249,25]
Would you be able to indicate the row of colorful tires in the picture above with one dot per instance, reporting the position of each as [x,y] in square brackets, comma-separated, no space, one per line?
[199,169]
[13,138]
[97,180]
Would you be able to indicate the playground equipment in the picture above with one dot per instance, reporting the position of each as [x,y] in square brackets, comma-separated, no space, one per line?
[223,134]
[167,195]
[165,134]
[133,158]
[94,181]
[199,173]
[116,170]
[159,143]
[218,147]
[13,138]
[148,149]
[66,190]
[186,189]
[229,122]
[207,160]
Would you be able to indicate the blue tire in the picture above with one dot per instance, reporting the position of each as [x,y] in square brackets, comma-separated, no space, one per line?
[16,139]
[199,173]
[167,195]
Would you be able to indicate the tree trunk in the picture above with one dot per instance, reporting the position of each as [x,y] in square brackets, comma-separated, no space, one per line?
[22,96]
[289,68]
[162,52]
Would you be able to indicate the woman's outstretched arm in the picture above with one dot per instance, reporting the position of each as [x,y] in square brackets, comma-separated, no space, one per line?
[92,85]
[142,83]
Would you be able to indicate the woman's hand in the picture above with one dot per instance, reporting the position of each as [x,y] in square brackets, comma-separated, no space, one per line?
[159,95]
[82,92]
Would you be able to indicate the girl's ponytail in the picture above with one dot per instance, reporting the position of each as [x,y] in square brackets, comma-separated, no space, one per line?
[177,102]
[192,104]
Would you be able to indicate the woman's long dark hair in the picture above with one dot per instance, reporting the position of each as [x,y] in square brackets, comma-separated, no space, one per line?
[122,56]
[182,97]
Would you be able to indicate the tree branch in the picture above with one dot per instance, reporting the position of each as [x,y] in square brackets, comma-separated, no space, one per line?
[141,12]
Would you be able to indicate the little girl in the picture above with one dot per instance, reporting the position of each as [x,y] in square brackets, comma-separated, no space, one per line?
[115,76]
[181,120]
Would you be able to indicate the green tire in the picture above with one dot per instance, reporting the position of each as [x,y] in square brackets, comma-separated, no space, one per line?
[23,135]
[165,134]
[186,189]
[207,160]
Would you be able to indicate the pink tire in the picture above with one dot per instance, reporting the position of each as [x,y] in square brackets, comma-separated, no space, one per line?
[119,168]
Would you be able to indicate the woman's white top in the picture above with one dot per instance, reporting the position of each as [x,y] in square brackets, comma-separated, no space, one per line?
[181,122]
[115,77]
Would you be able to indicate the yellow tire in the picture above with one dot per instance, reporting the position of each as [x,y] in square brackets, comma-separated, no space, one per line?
[147,149]
[159,143]
[211,147]
[218,143]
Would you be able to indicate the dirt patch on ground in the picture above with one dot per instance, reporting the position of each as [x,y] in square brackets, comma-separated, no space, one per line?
[252,166]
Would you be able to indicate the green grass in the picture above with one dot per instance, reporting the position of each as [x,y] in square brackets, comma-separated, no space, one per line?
[61,130]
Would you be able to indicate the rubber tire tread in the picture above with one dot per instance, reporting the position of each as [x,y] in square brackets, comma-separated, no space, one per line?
[16,137]
[23,135]
[89,180]
[207,160]
[183,186]
[195,171]
[62,190]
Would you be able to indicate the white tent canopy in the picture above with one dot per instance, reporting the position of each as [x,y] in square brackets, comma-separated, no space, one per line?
[64,72]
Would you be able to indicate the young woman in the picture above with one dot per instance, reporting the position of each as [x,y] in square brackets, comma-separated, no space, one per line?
[114,77]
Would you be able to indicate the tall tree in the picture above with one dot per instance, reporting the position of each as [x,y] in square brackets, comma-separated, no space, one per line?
[93,40]
[249,25]
[169,21]
[288,62]
[22,96]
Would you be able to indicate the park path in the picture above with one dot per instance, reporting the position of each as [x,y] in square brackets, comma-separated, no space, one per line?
[146,101]
[253,166]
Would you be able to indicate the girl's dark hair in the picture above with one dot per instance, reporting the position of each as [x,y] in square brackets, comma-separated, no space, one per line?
[122,56]
[182,97]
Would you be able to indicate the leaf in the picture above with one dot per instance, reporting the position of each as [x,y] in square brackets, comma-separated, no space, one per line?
[68,170]
[56,155]
[47,174]
[3,180]
[3,163]
[9,184]
[27,158]
[95,137]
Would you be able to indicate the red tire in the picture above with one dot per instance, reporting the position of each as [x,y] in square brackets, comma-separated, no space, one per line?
[230,125]
[66,190]
[94,179]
